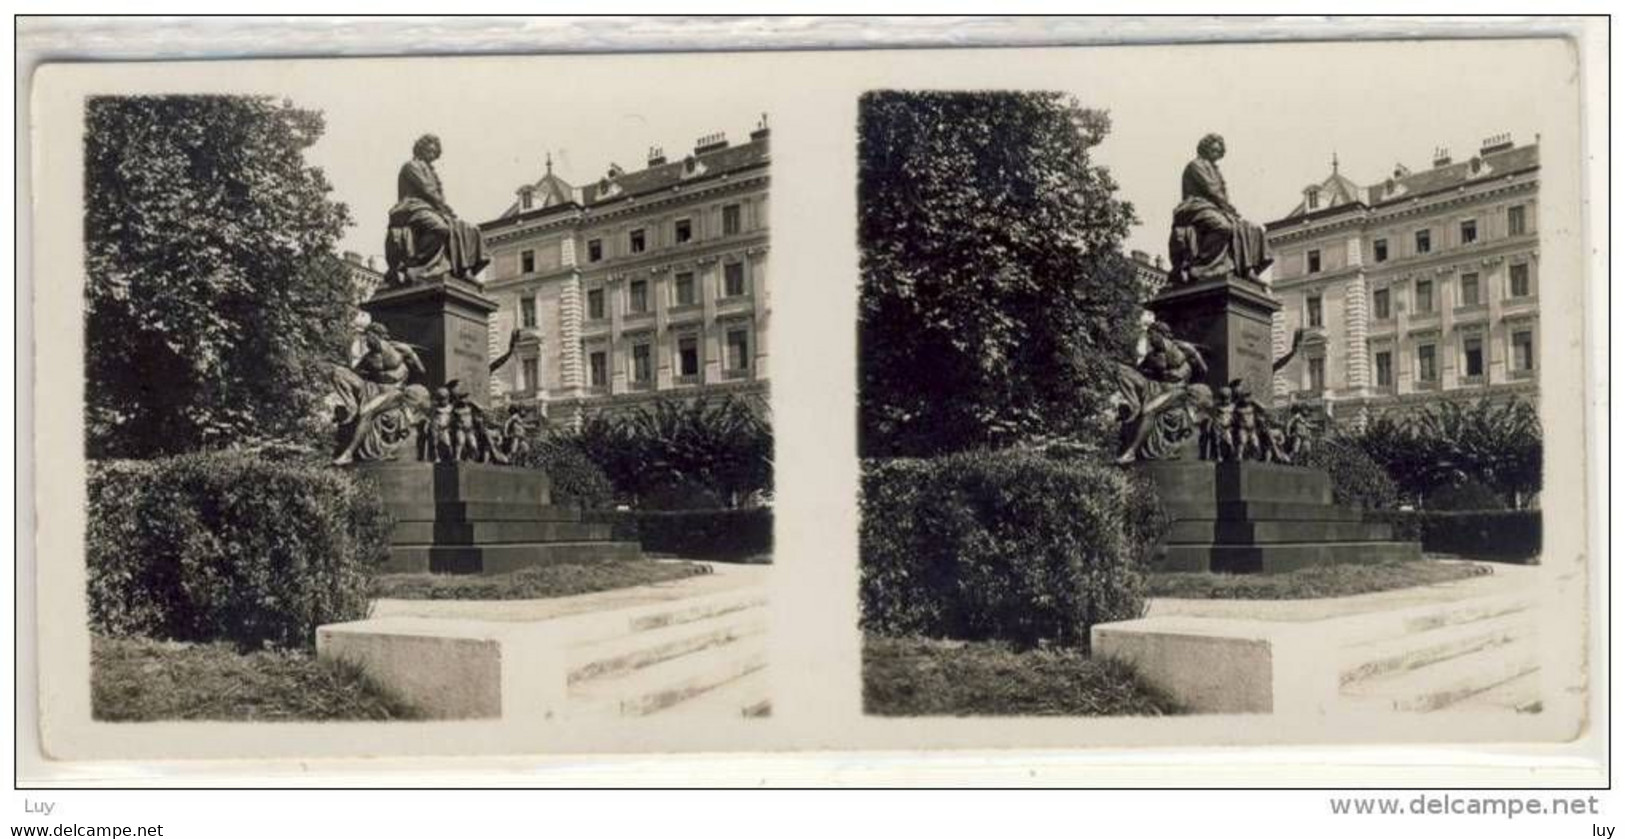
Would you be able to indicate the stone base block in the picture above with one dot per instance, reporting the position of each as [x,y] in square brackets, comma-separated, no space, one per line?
[1205,482]
[1218,666]
[504,558]
[1223,532]
[1278,557]
[448,669]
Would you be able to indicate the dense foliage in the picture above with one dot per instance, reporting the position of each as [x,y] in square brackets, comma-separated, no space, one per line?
[1357,479]
[995,298]
[213,296]
[1502,535]
[710,452]
[229,547]
[726,535]
[1013,546]
[577,481]
[1496,443]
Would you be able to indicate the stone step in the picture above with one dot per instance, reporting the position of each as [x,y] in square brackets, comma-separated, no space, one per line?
[614,657]
[1261,511]
[657,687]
[479,511]
[500,559]
[1280,556]
[750,695]
[1380,658]
[408,533]
[732,603]
[1522,695]
[1219,531]
[1442,685]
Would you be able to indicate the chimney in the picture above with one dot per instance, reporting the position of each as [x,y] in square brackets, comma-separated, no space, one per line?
[352,257]
[1140,256]
[1495,143]
[1441,157]
[761,129]
[657,156]
[710,143]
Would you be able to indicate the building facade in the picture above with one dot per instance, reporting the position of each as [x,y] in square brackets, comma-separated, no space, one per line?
[1420,287]
[644,285]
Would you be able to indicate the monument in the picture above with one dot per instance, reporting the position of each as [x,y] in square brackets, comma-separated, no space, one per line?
[409,410]
[1194,410]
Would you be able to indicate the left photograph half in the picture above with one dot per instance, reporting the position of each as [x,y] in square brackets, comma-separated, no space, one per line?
[391,416]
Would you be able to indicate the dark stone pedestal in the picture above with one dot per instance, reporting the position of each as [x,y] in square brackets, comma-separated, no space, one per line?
[472,518]
[447,320]
[1245,517]
[1230,320]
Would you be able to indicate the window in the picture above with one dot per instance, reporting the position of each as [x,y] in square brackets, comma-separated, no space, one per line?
[527,262]
[1381,304]
[595,250]
[598,369]
[1472,351]
[730,219]
[1313,307]
[1313,195]
[1314,261]
[683,231]
[635,241]
[688,356]
[527,198]
[1317,374]
[1515,222]
[1469,290]
[738,349]
[642,364]
[530,379]
[683,289]
[733,279]
[1523,350]
[1518,279]
[1385,369]
[1379,250]
[527,312]
[1424,297]
[1469,231]
[595,304]
[1427,364]
[1424,241]
[637,296]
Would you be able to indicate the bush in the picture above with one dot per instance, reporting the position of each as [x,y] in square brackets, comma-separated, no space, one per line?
[725,535]
[229,547]
[1012,546]
[1500,535]
[1470,494]
[1357,479]
[577,481]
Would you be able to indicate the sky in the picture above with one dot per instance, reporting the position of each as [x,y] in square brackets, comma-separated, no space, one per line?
[1284,111]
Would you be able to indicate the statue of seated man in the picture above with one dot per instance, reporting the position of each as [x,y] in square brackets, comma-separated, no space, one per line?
[426,238]
[1210,238]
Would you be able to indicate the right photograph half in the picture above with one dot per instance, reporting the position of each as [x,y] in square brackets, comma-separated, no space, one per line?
[1216,413]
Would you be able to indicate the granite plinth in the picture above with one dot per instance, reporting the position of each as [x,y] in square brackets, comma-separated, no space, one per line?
[478,518]
[1248,517]
[1230,319]
[446,319]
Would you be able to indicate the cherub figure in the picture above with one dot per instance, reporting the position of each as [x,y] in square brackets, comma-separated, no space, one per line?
[1218,440]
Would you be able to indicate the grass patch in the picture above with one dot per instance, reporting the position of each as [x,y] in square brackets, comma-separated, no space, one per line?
[926,677]
[140,680]
[1316,581]
[533,583]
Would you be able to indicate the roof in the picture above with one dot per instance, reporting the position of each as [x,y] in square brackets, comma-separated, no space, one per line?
[1340,192]
[550,191]
[666,175]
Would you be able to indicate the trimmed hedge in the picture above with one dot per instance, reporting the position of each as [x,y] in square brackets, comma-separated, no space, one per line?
[723,535]
[1357,478]
[1500,535]
[576,480]
[229,547]
[1013,546]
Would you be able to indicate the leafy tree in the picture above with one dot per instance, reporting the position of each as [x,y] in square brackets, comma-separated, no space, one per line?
[995,297]
[213,294]
[1449,445]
